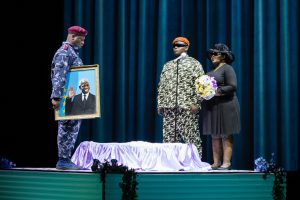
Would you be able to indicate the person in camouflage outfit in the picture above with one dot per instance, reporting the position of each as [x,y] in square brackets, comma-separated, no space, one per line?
[177,100]
[65,57]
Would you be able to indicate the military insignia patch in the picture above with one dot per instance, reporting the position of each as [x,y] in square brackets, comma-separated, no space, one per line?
[66,46]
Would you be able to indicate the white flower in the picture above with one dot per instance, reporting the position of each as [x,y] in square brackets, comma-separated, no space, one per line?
[206,86]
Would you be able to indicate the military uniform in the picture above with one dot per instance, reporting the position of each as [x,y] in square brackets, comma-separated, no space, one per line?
[67,55]
[182,91]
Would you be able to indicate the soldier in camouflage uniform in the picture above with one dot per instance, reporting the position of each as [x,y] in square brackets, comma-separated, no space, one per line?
[177,101]
[65,57]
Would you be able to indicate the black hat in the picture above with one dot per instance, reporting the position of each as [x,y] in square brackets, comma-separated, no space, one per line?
[224,50]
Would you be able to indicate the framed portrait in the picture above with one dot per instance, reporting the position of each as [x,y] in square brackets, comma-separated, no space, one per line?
[81,98]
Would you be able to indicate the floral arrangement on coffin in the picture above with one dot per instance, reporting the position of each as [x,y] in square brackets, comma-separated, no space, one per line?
[206,86]
[261,165]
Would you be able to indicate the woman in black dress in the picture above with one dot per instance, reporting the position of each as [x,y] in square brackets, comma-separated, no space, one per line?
[221,114]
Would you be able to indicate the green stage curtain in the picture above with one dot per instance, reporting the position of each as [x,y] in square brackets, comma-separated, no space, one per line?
[131,40]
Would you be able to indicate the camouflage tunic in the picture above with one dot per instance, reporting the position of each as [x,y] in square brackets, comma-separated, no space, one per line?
[187,123]
[65,57]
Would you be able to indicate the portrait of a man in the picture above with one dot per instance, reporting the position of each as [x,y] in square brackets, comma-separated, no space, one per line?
[82,103]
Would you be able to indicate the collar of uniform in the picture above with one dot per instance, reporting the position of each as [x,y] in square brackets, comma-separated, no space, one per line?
[181,57]
[72,45]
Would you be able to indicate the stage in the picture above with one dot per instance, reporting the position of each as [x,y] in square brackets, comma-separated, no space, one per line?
[52,184]
[162,172]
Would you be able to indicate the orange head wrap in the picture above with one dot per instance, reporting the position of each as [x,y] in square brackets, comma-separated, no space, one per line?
[181,39]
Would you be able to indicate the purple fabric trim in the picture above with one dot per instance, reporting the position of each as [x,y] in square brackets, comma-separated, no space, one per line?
[143,156]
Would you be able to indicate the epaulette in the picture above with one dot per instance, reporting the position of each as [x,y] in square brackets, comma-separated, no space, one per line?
[66,46]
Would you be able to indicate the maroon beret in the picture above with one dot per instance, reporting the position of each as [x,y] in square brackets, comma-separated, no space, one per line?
[77,30]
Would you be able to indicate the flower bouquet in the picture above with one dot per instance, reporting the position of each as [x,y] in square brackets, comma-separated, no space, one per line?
[206,86]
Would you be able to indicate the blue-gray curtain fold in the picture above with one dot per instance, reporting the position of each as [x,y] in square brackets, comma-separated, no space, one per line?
[131,40]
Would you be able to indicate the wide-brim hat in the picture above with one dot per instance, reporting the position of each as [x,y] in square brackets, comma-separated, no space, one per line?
[224,50]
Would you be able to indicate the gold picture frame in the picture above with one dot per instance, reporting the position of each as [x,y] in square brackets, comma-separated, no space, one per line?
[81,98]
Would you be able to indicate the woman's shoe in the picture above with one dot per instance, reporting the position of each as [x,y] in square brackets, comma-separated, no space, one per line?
[225,166]
[215,166]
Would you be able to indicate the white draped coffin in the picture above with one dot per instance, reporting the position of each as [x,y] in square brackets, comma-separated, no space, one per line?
[142,156]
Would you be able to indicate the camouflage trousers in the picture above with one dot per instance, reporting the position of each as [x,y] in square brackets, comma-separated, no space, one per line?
[187,128]
[67,135]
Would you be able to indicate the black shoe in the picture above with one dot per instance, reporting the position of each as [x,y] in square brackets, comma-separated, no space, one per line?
[66,164]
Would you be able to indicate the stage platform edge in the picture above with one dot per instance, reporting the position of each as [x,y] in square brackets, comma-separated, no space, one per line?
[53,184]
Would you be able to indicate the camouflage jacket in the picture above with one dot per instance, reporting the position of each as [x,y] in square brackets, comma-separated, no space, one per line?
[188,70]
[65,57]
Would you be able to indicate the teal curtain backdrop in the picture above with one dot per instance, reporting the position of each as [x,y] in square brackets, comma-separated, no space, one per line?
[131,40]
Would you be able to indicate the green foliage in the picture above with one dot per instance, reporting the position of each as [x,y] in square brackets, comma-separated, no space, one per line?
[261,165]
[128,184]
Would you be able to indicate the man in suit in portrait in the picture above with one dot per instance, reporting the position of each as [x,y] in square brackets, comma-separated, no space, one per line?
[83,103]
